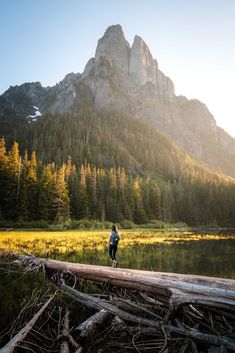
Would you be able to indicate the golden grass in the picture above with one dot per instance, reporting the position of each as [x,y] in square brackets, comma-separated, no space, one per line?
[38,242]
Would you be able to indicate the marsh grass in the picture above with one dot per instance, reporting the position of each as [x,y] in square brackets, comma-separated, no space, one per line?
[67,242]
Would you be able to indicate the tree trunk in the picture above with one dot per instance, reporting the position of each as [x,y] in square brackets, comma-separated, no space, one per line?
[179,288]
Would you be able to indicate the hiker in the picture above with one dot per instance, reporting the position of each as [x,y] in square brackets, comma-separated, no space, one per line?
[114,238]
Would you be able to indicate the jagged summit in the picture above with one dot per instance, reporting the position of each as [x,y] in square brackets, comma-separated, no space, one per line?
[114,29]
[136,62]
[126,78]
[142,67]
[114,47]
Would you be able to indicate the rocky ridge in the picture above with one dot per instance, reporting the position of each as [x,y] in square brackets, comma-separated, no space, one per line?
[127,78]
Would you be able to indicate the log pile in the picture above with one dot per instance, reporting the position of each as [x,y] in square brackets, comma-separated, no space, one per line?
[134,311]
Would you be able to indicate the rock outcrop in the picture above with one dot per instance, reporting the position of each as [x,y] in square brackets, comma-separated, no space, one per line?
[114,47]
[128,79]
[142,68]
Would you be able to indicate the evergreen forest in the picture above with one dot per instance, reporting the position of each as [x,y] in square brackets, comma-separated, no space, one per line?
[135,174]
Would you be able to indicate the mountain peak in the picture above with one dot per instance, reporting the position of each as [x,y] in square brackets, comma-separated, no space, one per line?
[139,41]
[114,28]
[142,65]
[136,62]
[114,47]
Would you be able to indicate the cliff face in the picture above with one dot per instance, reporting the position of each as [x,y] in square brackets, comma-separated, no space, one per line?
[142,66]
[114,47]
[127,78]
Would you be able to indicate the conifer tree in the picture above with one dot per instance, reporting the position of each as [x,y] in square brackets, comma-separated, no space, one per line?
[72,181]
[4,178]
[46,194]
[139,211]
[112,212]
[13,187]
[83,207]
[23,204]
[61,198]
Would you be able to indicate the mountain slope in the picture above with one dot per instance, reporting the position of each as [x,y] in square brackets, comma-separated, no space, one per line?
[127,79]
[142,89]
[107,138]
[133,172]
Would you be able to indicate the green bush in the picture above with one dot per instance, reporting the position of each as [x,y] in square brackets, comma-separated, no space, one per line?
[24,224]
[6,224]
[126,224]
[178,225]
[155,224]
[90,224]
[61,225]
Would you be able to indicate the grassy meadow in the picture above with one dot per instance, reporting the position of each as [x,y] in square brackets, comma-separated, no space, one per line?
[67,242]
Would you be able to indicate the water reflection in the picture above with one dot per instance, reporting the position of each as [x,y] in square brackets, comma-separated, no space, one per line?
[214,258]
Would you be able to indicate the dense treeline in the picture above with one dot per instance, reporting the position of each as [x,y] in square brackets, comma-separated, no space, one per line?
[102,138]
[31,190]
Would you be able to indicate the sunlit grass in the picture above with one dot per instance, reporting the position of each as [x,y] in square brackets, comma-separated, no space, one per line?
[40,242]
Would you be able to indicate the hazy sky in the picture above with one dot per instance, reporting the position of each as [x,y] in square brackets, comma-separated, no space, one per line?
[193,41]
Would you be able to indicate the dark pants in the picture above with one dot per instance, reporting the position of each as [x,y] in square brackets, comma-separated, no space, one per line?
[112,251]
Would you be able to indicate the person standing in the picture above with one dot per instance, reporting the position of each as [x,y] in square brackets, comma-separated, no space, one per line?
[114,238]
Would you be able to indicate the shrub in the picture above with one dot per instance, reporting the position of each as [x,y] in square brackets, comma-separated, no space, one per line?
[90,224]
[61,225]
[126,224]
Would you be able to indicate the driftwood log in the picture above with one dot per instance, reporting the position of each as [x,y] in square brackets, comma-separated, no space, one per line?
[67,338]
[65,344]
[92,322]
[20,336]
[99,304]
[179,288]
[158,290]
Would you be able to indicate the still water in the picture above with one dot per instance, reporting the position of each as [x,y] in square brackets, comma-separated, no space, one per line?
[215,257]
[211,256]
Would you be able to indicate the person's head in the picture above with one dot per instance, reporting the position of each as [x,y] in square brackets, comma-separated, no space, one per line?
[114,228]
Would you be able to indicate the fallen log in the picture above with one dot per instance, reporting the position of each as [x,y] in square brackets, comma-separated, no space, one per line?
[20,336]
[178,288]
[65,344]
[68,338]
[96,303]
[89,326]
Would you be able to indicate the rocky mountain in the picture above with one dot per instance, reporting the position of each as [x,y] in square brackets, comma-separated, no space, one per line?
[125,78]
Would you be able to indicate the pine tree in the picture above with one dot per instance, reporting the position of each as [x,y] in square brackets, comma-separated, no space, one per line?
[13,187]
[112,212]
[24,204]
[72,181]
[46,194]
[4,178]
[61,198]
[83,207]
[139,211]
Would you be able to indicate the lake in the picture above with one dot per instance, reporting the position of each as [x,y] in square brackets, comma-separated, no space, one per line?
[198,253]
[211,254]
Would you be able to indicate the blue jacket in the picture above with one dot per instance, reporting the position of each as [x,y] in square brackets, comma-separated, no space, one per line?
[114,238]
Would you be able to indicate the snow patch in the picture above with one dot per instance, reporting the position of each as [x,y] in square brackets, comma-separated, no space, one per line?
[35,116]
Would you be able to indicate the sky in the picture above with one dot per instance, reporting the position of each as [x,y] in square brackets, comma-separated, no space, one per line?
[193,42]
